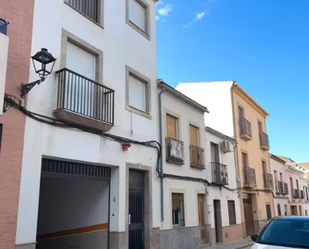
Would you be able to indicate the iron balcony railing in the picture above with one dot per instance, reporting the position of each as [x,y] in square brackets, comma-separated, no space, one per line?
[90,8]
[245,127]
[84,96]
[279,187]
[3,26]
[219,173]
[196,157]
[285,188]
[268,180]
[296,194]
[174,151]
[249,177]
[264,140]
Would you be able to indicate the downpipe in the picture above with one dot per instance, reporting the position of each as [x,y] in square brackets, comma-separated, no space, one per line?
[161,158]
[237,169]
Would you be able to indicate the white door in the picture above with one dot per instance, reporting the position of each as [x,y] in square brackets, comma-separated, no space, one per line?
[80,90]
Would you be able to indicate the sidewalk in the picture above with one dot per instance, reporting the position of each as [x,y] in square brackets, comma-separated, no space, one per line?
[234,245]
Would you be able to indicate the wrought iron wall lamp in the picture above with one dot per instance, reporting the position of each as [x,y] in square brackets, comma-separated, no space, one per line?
[43,63]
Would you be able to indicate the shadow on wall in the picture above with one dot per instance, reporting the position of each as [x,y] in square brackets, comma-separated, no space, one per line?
[73,214]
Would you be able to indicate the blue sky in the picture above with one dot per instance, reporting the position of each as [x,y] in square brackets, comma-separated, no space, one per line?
[262,44]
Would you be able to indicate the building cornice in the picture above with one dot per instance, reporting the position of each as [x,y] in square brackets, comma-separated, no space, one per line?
[246,97]
[161,84]
[219,134]
[278,159]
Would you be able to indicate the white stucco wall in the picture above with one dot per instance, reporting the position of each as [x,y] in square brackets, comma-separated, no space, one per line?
[216,96]
[186,114]
[122,45]
[4,45]
[214,192]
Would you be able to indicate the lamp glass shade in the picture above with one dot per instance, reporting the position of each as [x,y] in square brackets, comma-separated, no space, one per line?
[43,62]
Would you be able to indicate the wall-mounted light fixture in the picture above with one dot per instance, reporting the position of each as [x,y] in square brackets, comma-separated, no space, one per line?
[43,63]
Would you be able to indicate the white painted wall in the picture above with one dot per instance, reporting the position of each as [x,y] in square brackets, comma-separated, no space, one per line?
[186,114]
[67,204]
[279,168]
[216,96]
[214,192]
[122,45]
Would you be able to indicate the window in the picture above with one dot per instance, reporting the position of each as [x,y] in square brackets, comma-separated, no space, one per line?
[241,113]
[281,177]
[171,126]
[285,210]
[232,212]
[194,135]
[92,9]
[137,16]
[264,167]
[178,210]
[278,232]
[138,93]
[279,209]
[214,149]
[306,212]
[244,160]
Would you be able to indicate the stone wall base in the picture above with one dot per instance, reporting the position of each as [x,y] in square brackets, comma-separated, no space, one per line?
[26,246]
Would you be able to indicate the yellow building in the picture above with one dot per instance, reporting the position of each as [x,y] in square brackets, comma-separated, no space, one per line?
[232,111]
[256,180]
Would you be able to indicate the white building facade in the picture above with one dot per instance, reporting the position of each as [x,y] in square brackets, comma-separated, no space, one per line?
[224,213]
[184,221]
[293,178]
[89,176]
[281,189]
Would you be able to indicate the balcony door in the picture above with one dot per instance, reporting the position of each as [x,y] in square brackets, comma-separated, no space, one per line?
[214,149]
[80,89]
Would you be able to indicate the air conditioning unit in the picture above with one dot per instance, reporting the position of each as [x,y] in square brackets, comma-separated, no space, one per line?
[175,150]
[226,146]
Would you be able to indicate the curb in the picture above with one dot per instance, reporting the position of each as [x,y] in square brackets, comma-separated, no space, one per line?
[244,246]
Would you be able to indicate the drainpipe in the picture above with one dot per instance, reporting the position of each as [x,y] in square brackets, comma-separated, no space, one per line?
[161,159]
[237,169]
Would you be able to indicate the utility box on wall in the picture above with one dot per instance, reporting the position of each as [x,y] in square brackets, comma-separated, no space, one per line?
[4,48]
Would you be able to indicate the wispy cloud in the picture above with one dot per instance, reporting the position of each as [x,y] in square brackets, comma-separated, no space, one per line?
[163,10]
[198,16]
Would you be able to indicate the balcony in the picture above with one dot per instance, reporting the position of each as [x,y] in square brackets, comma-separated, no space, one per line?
[285,188]
[174,151]
[83,101]
[4,45]
[197,157]
[245,129]
[281,188]
[88,8]
[219,173]
[268,181]
[249,177]
[264,141]
[296,194]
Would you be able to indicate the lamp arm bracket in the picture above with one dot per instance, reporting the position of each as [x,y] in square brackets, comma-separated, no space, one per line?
[25,88]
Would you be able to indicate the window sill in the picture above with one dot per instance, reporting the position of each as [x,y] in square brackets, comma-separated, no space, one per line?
[143,33]
[91,20]
[138,112]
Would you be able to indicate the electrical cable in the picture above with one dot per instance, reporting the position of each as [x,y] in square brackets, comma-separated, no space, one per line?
[54,122]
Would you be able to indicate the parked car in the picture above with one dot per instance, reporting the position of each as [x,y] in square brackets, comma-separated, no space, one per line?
[286,232]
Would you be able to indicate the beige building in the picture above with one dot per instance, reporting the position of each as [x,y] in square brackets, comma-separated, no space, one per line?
[232,111]
[253,160]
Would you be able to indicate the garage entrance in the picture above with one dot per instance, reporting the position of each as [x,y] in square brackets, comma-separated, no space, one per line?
[73,206]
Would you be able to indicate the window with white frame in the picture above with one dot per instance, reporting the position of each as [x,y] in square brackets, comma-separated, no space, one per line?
[178,210]
[137,15]
[138,92]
